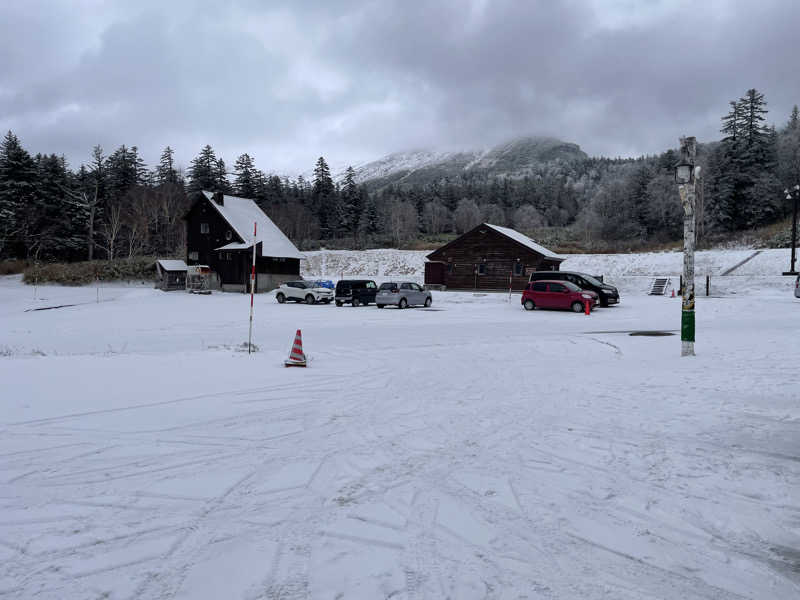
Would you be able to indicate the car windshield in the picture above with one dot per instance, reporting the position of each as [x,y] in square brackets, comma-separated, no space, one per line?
[388,286]
[592,280]
[571,286]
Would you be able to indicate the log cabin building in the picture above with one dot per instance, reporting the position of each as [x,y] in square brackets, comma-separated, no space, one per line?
[219,233]
[485,258]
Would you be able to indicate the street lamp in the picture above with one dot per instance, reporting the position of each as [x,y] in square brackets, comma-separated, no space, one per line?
[683,172]
[788,192]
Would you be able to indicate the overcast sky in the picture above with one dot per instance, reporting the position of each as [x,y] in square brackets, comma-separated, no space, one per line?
[355,80]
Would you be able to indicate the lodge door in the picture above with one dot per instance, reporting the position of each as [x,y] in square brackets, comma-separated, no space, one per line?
[434,273]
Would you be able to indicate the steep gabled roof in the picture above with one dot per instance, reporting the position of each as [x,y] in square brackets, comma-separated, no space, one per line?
[513,235]
[525,241]
[241,213]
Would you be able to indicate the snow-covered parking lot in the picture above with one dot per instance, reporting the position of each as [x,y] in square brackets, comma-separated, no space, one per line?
[470,450]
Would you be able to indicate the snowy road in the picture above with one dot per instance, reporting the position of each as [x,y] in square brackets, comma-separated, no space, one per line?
[473,450]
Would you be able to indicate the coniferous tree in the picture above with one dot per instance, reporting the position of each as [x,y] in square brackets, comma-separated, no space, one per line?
[165,171]
[245,179]
[221,178]
[61,221]
[203,171]
[350,203]
[323,197]
[17,197]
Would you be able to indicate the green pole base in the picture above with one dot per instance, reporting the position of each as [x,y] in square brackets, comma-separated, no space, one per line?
[687,326]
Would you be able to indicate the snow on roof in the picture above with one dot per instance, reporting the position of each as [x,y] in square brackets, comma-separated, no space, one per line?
[171,265]
[525,241]
[241,213]
[235,246]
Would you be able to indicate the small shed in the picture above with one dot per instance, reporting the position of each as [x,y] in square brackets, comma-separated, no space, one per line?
[488,257]
[171,275]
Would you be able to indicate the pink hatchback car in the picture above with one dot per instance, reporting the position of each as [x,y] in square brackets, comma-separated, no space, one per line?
[557,294]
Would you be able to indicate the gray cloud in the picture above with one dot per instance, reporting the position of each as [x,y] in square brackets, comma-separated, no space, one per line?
[356,80]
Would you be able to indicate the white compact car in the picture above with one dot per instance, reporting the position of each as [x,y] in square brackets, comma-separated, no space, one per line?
[303,291]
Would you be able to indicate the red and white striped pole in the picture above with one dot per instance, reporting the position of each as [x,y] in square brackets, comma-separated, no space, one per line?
[252,290]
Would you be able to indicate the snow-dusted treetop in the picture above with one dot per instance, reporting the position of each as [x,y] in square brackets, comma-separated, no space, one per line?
[241,213]
[525,241]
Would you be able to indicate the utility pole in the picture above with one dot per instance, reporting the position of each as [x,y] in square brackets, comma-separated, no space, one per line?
[686,175]
[788,191]
[252,288]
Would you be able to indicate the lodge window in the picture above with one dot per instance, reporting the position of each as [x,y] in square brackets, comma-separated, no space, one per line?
[192,255]
[481,269]
[203,227]
[451,268]
[517,269]
[228,235]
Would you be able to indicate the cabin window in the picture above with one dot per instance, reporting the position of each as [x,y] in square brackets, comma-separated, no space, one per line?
[221,255]
[482,269]
[192,255]
[203,227]
[228,235]
[451,268]
[227,256]
[517,269]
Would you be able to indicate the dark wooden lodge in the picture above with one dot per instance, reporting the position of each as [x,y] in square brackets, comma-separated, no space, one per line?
[485,257]
[219,233]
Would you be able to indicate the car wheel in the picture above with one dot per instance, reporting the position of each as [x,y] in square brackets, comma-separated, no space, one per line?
[338,303]
[310,299]
[403,303]
[577,307]
[280,298]
[428,301]
[380,305]
[356,302]
[529,305]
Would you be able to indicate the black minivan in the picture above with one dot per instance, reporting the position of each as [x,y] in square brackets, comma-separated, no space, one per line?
[608,293]
[355,291]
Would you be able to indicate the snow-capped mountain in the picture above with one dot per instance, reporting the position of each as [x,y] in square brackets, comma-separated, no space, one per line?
[515,158]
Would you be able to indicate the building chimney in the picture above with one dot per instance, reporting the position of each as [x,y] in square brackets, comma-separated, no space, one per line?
[219,198]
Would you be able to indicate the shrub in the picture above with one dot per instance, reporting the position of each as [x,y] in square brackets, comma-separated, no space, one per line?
[12,266]
[80,273]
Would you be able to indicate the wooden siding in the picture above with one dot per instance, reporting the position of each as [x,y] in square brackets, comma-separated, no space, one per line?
[485,249]
[205,243]
[232,266]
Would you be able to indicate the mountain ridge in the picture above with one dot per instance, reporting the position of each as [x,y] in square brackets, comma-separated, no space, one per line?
[513,158]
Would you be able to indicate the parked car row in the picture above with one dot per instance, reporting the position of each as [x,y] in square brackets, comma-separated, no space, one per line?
[356,292]
[546,289]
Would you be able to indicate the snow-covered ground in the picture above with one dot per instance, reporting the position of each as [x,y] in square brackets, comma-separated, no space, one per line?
[470,450]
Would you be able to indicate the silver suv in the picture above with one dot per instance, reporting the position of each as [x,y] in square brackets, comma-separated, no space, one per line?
[402,294]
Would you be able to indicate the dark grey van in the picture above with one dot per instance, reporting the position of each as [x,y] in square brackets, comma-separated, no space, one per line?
[355,291]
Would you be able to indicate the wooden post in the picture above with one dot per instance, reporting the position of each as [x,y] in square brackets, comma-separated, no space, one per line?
[708,285]
[686,190]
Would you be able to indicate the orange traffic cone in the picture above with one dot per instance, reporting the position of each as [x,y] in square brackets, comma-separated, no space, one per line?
[296,356]
[587,307]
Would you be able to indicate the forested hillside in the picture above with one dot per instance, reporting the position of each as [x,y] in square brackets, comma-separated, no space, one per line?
[115,206]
